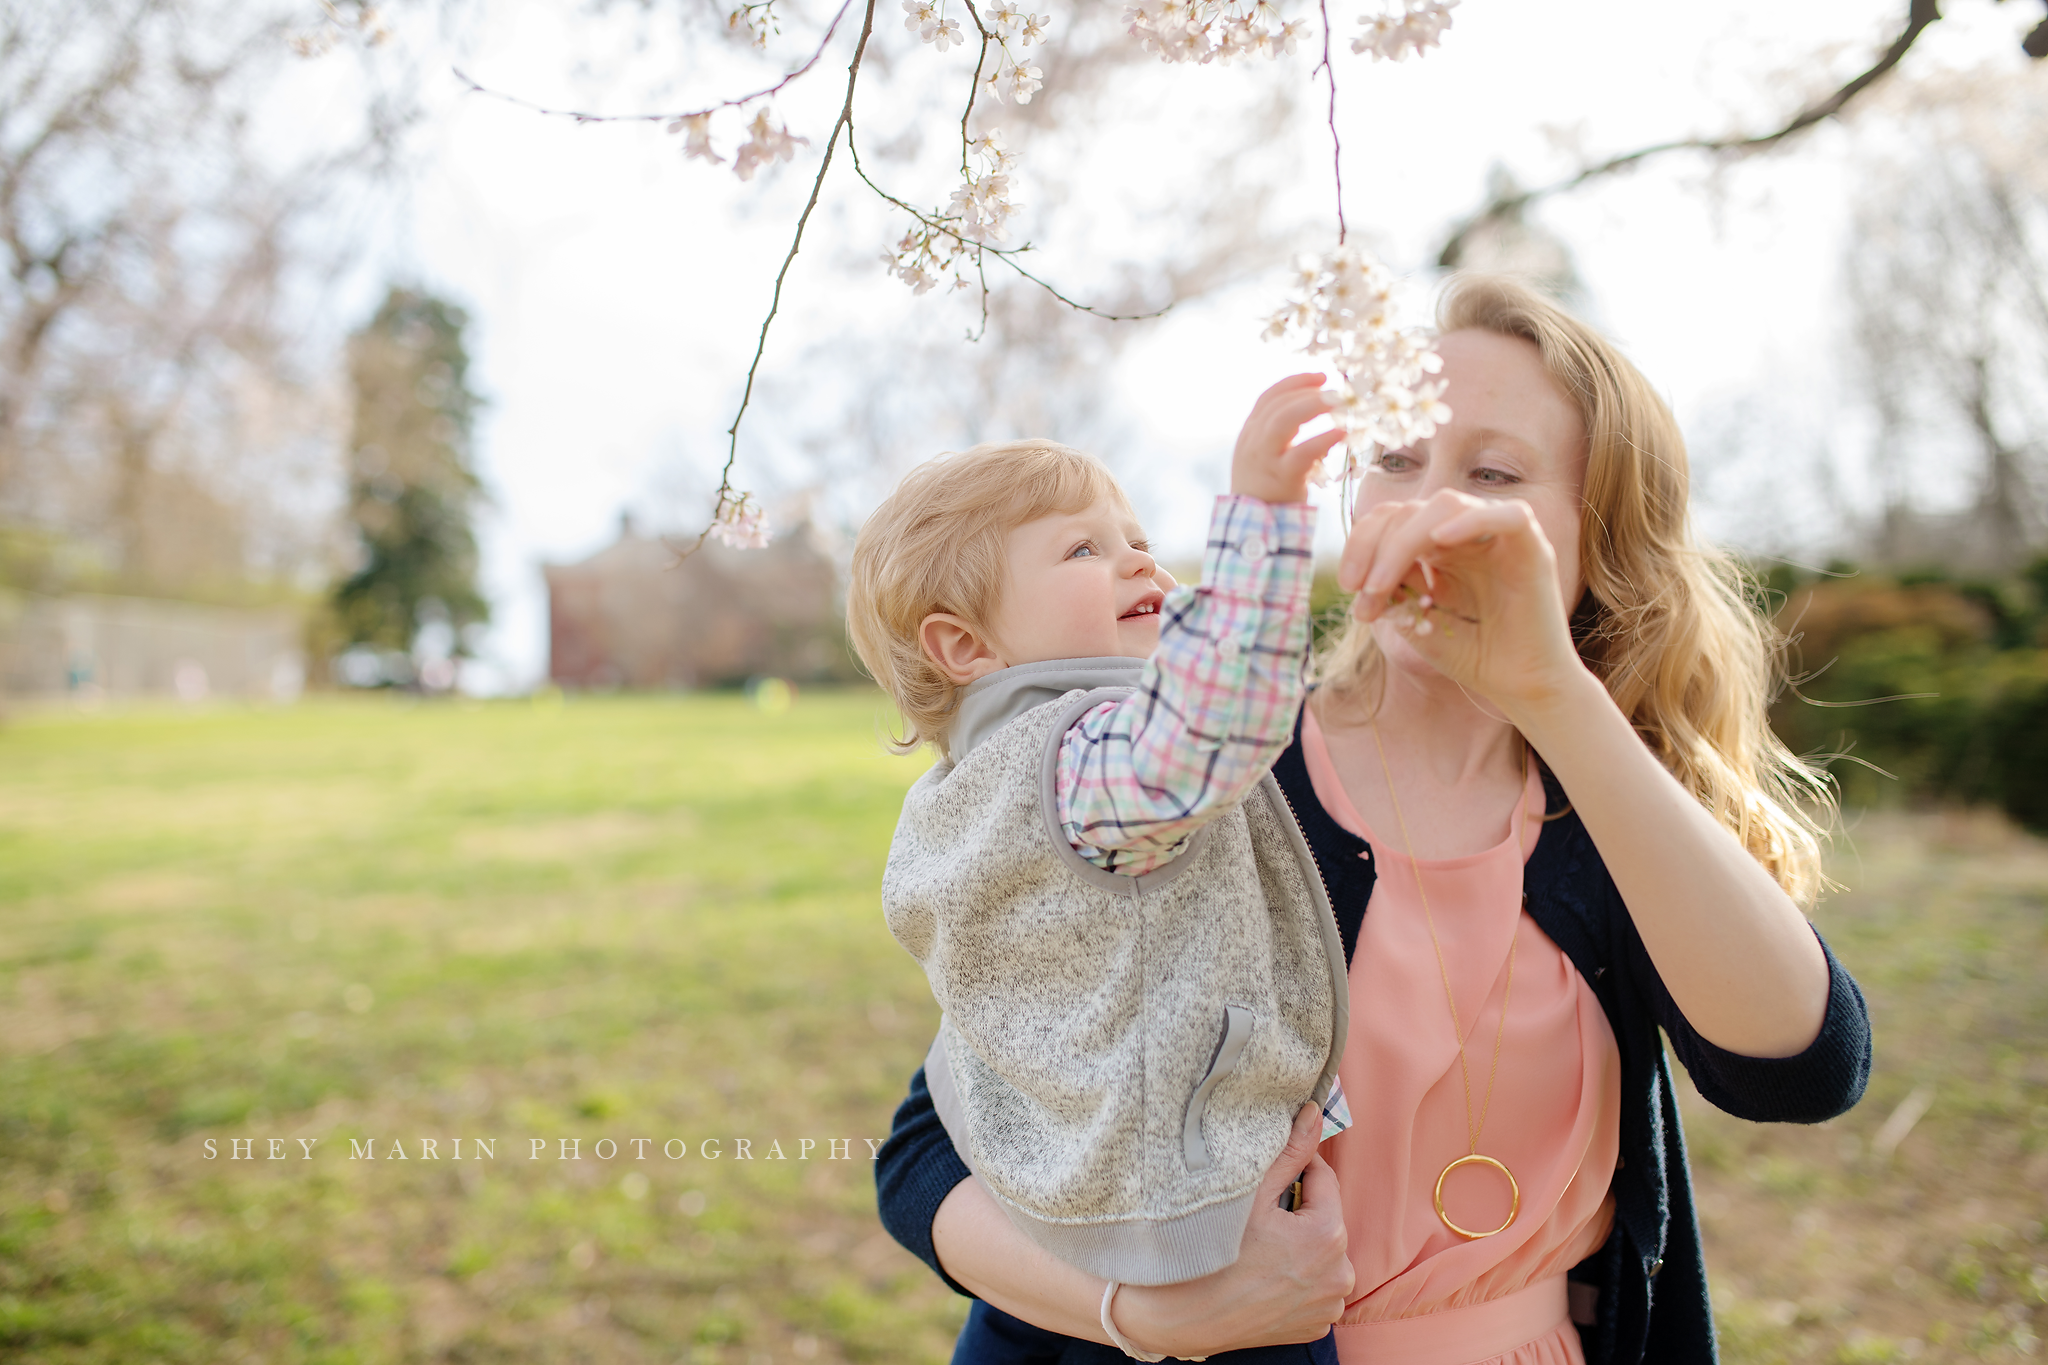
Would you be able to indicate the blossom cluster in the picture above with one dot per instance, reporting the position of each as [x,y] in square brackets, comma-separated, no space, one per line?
[366,22]
[982,204]
[741,523]
[1211,30]
[1411,26]
[766,144]
[925,256]
[756,20]
[1345,311]
[1011,78]
[979,213]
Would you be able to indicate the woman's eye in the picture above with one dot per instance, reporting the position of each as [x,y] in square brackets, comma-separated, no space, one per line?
[1497,477]
[1396,462]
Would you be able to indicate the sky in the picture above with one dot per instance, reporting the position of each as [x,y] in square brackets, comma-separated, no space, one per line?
[616,289]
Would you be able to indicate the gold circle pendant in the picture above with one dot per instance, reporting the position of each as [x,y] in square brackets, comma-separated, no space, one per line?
[1475,1159]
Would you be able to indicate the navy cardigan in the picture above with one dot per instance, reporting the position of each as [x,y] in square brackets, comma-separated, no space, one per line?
[1652,1286]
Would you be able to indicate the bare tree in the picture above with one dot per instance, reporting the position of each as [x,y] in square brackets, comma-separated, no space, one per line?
[159,262]
[1945,266]
[1507,202]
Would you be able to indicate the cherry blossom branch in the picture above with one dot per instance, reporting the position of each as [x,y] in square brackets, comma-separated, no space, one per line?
[1336,144]
[1919,15]
[981,274]
[1005,258]
[584,117]
[950,227]
[974,87]
[728,499]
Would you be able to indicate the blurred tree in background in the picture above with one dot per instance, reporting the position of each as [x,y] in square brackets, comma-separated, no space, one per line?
[1922,686]
[169,225]
[1924,676]
[1945,268]
[412,489]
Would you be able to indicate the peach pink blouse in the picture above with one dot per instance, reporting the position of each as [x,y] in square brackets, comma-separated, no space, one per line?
[1425,1296]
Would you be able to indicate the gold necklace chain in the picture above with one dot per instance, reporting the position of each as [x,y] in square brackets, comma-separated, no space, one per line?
[1472,1130]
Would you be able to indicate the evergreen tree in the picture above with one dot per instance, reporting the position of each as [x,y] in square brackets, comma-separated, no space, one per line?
[412,491]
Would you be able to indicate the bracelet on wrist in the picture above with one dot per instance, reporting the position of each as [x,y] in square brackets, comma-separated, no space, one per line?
[1124,1343]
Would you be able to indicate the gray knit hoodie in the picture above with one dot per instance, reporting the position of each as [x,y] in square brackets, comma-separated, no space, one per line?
[1120,1058]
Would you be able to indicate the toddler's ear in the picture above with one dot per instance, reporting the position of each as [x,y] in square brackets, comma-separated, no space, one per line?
[959,650]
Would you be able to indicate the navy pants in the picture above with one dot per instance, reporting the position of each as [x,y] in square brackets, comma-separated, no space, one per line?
[993,1337]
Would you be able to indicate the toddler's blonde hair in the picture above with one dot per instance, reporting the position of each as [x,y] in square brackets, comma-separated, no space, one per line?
[936,545]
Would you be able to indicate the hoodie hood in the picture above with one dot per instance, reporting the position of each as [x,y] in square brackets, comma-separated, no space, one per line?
[990,703]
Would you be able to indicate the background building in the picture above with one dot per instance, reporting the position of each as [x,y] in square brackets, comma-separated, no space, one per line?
[636,615]
[94,645]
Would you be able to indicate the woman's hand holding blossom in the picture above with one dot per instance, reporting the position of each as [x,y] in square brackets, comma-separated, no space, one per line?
[1472,584]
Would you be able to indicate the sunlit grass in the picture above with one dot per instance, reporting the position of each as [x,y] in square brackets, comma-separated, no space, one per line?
[657,918]
[1877,1237]
[610,920]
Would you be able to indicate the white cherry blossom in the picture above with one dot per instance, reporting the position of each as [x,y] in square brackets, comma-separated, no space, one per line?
[1024,82]
[1211,30]
[696,129]
[990,147]
[756,20]
[921,13]
[1411,26]
[943,34]
[741,523]
[764,147]
[1346,313]
[982,204]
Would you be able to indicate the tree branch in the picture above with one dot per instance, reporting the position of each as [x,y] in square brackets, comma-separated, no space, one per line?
[845,121]
[1006,255]
[583,117]
[1336,145]
[1920,14]
[974,86]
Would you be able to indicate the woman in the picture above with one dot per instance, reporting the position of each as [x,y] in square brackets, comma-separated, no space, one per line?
[1526,583]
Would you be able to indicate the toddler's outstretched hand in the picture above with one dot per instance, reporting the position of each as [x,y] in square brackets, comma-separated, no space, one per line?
[1266,466]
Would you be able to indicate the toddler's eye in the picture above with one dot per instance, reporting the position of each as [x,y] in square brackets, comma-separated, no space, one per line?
[1084,548]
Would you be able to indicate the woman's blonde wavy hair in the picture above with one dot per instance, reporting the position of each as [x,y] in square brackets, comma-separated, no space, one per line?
[936,544]
[1665,622]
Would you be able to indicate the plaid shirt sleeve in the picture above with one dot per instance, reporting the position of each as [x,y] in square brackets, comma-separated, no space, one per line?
[1215,705]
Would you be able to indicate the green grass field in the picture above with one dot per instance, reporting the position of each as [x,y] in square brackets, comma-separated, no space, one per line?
[368,921]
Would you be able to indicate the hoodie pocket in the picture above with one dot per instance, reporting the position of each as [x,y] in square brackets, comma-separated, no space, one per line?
[1237,1031]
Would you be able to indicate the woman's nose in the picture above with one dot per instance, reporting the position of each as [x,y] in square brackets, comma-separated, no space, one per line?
[1435,479]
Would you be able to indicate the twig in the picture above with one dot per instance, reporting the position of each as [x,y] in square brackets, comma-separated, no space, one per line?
[728,498]
[1920,14]
[981,274]
[1006,255]
[974,88]
[583,117]
[1336,145]
[1903,1120]
[1006,258]
[844,121]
